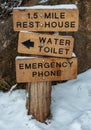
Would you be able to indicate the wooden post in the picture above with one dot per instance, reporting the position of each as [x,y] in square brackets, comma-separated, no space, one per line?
[39,99]
[52,69]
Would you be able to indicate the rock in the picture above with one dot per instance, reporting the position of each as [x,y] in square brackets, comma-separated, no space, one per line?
[8,51]
[9,41]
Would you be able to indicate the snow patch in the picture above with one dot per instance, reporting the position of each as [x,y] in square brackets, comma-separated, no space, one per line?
[24,57]
[62,6]
[70,107]
[43,1]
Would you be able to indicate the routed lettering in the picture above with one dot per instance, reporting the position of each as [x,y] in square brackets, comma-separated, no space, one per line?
[46,73]
[54,41]
[21,66]
[53,50]
[54,15]
[65,24]
[46,20]
[45,65]
[37,24]
[45,44]
[45,69]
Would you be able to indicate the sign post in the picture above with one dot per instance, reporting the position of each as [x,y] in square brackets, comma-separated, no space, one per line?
[46,18]
[39,100]
[53,61]
[45,69]
[45,45]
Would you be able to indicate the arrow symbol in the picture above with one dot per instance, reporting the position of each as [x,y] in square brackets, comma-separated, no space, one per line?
[28,44]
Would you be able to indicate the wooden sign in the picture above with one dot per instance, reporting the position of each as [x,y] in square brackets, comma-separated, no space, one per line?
[43,44]
[46,18]
[45,69]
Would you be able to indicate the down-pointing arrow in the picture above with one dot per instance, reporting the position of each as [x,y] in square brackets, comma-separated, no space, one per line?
[28,44]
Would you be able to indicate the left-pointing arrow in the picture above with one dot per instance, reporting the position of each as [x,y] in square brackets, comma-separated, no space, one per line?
[28,44]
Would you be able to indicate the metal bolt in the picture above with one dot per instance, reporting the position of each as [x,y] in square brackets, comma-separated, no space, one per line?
[41,25]
[43,60]
[41,15]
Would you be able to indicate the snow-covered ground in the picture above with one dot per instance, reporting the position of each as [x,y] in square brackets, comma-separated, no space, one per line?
[70,107]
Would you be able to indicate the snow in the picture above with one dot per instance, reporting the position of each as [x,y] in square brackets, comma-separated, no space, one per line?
[32,57]
[24,57]
[73,54]
[43,1]
[62,6]
[70,107]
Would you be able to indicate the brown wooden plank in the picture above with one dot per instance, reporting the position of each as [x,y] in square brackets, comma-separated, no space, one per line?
[43,44]
[45,20]
[39,100]
[45,69]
